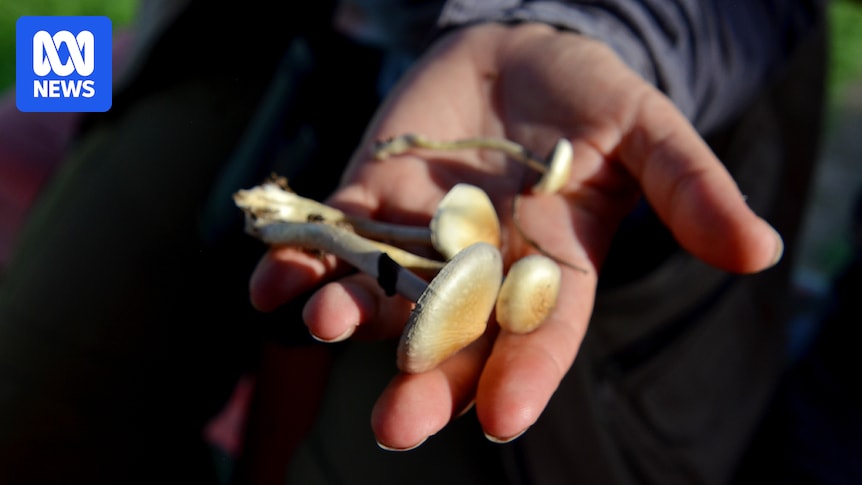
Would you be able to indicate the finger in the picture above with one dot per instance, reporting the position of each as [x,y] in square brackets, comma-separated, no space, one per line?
[692,191]
[416,406]
[284,273]
[356,302]
[524,370]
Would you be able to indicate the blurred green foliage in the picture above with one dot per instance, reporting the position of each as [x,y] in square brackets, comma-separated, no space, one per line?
[845,17]
[120,12]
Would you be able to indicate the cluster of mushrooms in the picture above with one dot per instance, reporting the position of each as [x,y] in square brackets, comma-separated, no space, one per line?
[454,296]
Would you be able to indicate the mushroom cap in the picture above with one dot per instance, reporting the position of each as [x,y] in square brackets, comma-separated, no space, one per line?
[559,169]
[454,309]
[464,216]
[528,294]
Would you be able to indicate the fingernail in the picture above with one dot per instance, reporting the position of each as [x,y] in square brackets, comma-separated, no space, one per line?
[344,336]
[466,409]
[389,448]
[779,247]
[494,439]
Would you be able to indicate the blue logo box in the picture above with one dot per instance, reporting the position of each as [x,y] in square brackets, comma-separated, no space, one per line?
[63,64]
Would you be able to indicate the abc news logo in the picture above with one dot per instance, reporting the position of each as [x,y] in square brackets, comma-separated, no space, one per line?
[46,59]
[63,64]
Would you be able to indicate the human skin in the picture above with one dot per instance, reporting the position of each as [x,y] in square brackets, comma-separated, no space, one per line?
[532,84]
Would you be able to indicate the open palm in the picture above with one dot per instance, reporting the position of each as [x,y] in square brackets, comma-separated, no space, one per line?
[531,84]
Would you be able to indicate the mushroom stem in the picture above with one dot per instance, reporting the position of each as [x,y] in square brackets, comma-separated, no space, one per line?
[361,253]
[555,170]
[465,215]
[403,143]
[275,202]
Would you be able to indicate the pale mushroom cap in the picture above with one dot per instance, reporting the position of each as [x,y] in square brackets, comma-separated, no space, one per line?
[528,294]
[559,169]
[464,216]
[454,310]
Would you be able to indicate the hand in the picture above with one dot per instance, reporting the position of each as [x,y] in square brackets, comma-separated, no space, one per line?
[532,84]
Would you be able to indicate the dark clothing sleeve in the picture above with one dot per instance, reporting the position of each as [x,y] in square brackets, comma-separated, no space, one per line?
[709,56]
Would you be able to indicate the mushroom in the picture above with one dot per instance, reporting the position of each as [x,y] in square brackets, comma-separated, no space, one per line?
[465,215]
[528,294]
[555,170]
[454,310]
[451,311]
[559,169]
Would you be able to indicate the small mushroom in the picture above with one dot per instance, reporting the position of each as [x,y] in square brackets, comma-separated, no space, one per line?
[454,310]
[528,294]
[464,216]
[451,311]
[559,169]
[401,144]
